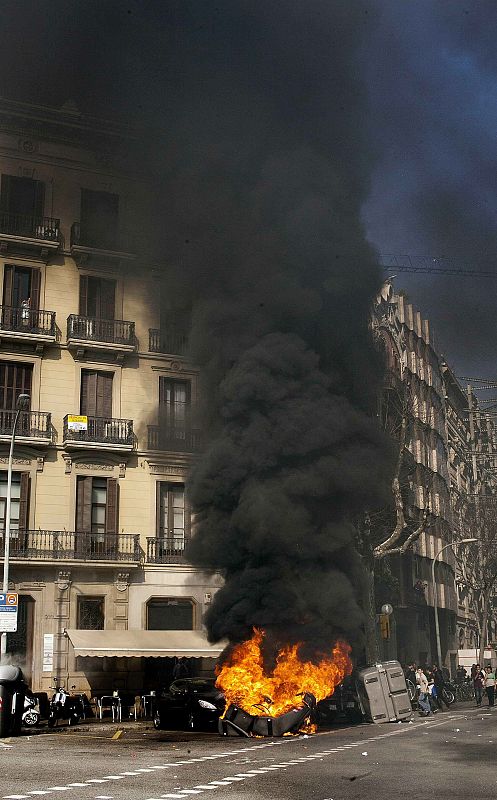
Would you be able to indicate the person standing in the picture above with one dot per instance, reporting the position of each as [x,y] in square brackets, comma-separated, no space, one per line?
[489,682]
[478,685]
[439,684]
[424,698]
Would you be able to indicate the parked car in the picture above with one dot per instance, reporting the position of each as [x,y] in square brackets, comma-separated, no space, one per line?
[343,703]
[191,704]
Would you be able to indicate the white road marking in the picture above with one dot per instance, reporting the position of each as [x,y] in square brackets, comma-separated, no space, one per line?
[15,796]
[39,791]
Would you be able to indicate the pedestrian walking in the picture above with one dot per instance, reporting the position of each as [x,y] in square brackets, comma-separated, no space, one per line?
[489,683]
[424,697]
[439,685]
[478,681]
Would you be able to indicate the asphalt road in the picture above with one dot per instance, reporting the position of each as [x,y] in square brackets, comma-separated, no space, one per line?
[452,755]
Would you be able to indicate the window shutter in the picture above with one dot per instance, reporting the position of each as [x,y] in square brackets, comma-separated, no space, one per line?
[5,193]
[188,521]
[24,502]
[89,393]
[83,504]
[104,394]
[111,521]
[35,289]
[158,509]
[107,299]
[8,282]
[83,295]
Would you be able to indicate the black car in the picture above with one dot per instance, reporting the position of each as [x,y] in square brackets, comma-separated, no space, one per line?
[191,704]
[343,703]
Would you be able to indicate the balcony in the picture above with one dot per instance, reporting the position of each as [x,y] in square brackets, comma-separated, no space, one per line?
[28,235]
[27,325]
[165,550]
[102,433]
[174,439]
[89,249]
[70,546]
[90,333]
[33,427]
[171,341]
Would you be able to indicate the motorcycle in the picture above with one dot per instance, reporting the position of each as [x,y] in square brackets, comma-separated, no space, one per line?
[64,707]
[31,714]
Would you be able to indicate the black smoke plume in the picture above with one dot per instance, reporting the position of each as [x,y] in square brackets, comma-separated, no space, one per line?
[263,163]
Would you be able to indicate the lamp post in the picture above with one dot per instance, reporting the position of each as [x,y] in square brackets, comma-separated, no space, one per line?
[434,585]
[21,405]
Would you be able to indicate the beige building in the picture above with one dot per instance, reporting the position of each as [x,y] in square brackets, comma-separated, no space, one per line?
[99,515]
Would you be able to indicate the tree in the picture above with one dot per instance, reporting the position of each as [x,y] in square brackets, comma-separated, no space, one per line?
[391,530]
[478,566]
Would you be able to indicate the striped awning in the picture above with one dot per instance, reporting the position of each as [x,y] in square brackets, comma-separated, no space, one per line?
[143,644]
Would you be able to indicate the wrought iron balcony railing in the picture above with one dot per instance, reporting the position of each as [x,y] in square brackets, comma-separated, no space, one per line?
[165,550]
[93,240]
[91,329]
[27,320]
[46,229]
[102,430]
[31,424]
[73,546]
[167,341]
[175,439]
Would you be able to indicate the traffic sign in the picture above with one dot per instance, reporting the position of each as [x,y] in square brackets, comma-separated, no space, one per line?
[9,603]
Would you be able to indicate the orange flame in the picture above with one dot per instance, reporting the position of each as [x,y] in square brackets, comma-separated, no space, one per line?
[244,682]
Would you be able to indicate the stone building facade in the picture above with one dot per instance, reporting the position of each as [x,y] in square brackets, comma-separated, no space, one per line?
[99,516]
[414,374]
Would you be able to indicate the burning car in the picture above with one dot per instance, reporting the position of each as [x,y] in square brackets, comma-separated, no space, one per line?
[191,704]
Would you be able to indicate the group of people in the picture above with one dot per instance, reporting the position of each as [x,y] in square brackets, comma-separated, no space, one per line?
[483,679]
[430,683]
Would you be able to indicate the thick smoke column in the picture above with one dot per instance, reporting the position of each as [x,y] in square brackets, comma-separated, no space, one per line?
[264,165]
[265,226]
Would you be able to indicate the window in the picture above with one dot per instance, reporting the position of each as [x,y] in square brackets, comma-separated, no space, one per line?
[96,393]
[23,196]
[18,502]
[99,218]
[174,403]
[96,515]
[169,614]
[171,515]
[91,613]
[20,285]
[96,297]
[15,379]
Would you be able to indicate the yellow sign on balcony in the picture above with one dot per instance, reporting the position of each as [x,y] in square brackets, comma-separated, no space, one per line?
[77,423]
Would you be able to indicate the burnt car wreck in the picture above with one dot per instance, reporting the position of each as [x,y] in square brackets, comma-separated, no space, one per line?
[237,722]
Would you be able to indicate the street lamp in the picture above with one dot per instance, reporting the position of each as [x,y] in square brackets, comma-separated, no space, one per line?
[22,404]
[435,604]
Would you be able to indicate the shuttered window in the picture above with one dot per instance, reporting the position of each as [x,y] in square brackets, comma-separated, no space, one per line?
[15,379]
[22,196]
[173,521]
[174,402]
[97,297]
[97,516]
[96,393]
[96,505]
[19,509]
[21,285]
[169,614]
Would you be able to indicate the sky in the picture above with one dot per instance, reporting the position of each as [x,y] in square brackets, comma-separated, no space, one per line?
[426,128]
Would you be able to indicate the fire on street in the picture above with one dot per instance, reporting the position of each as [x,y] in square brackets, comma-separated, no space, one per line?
[450,755]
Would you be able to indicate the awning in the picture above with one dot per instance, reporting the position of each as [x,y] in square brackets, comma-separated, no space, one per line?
[146,644]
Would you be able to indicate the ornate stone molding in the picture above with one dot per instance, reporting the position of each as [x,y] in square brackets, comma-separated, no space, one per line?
[63,579]
[122,581]
[22,461]
[68,461]
[94,466]
[166,469]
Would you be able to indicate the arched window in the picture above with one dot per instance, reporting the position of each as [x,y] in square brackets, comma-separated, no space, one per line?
[169,614]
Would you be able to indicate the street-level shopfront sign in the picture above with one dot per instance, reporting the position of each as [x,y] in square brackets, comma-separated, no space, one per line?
[77,423]
[9,604]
